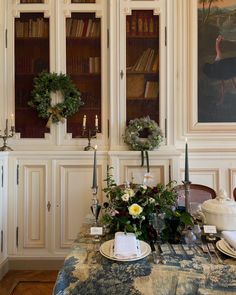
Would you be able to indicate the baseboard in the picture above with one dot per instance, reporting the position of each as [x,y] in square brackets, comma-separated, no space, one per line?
[4,268]
[29,263]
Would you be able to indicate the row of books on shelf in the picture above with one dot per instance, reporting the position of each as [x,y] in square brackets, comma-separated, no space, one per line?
[32,131]
[22,97]
[82,28]
[31,1]
[91,101]
[151,89]
[29,65]
[83,1]
[32,28]
[85,65]
[148,61]
[141,24]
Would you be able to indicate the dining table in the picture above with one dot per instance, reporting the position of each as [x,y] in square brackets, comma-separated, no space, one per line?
[182,269]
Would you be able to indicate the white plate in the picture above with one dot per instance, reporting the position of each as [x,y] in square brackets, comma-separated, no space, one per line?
[105,250]
[222,248]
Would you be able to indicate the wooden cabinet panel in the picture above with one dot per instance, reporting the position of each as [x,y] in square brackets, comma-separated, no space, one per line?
[34,217]
[74,198]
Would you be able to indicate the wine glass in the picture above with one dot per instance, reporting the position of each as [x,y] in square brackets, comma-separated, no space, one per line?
[158,223]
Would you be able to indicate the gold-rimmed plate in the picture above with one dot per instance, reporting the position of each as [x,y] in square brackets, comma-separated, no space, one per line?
[220,245]
[106,251]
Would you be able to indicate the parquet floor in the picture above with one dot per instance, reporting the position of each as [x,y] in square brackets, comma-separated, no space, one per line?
[24,282]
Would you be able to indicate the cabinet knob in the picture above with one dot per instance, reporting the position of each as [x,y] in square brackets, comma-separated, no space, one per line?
[121,74]
[49,206]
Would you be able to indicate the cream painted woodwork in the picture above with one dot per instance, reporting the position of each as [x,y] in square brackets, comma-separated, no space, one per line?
[3,208]
[50,199]
[74,196]
[34,216]
[215,169]
[163,166]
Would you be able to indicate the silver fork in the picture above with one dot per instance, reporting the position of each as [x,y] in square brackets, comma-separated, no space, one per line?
[213,250]
[206,250]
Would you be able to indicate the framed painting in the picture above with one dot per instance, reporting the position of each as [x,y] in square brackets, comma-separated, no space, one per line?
[216,61]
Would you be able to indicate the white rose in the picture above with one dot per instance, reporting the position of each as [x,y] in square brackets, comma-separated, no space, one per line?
[125,197]
[144,187]
[130,192]
[151,200]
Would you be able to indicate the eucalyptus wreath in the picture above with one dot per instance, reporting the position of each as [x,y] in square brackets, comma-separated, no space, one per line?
[133,130]
[46,83]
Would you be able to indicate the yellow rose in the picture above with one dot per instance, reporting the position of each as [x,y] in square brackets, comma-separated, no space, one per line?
[135,210]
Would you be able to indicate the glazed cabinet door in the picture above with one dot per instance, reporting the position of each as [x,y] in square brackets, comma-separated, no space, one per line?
[142,61]
[85,49]
[34,207]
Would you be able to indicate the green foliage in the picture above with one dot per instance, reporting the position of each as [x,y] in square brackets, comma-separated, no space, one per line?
[46,83]
[120,199]
[133,130]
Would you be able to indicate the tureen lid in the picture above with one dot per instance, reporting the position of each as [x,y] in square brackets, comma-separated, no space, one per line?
[221,204]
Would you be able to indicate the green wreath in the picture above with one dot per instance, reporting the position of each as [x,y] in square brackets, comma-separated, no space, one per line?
[133,130]
[44,84]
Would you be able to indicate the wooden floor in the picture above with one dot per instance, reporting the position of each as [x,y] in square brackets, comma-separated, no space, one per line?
[25,282]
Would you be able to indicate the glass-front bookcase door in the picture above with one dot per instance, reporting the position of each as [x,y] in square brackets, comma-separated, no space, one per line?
[83,64]
[31,58]
[142,61]
[142,65]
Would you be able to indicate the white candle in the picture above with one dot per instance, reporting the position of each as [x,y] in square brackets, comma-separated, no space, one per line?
[12,121]
[96,121]
[84,122]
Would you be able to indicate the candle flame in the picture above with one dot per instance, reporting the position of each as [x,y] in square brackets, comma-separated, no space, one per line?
[186,140]
[96,147]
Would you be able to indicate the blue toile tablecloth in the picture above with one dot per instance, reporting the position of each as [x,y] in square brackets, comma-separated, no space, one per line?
[187,271]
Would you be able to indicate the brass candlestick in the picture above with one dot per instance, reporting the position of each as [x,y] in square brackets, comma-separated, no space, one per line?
[7,134]
[187,194]
[90,133]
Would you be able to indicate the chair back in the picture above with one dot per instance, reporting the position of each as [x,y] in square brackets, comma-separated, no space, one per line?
[234,193]
[198,193]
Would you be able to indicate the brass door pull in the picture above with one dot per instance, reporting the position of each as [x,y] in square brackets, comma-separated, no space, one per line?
[49,206]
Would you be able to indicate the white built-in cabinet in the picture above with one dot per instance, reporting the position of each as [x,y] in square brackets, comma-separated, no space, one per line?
[47,180]
[50,199]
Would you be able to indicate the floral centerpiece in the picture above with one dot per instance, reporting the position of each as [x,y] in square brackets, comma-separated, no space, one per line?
[129,206]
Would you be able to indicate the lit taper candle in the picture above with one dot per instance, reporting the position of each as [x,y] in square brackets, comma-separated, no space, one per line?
[94,186]
[96,122]
[84,122]
[186,178]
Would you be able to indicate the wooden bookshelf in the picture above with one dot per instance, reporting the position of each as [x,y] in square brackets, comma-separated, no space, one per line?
[142,65]
[31,57]
[83,62]
[31,1]
[83,1]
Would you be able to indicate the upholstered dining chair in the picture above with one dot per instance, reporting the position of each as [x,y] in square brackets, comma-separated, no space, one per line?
[198,193]
[234,193]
